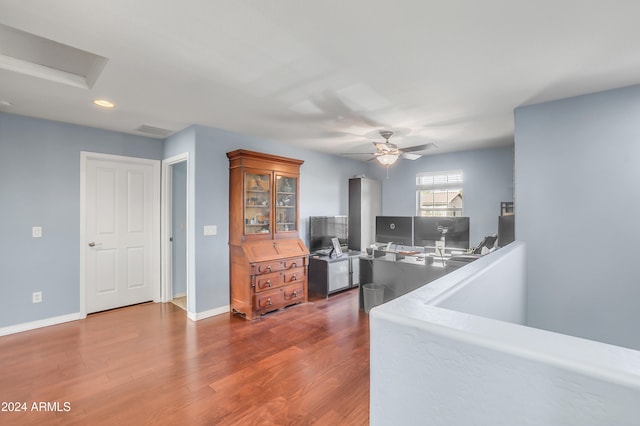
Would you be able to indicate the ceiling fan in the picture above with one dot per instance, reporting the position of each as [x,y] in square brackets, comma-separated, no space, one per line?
[388,153]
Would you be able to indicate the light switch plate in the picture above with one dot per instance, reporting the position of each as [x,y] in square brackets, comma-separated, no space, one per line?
[210,230]
[36,232]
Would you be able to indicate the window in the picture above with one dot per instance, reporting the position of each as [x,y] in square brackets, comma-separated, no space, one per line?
[439,193]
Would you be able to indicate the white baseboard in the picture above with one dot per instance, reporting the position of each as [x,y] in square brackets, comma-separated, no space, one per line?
[18,328]
[210,313]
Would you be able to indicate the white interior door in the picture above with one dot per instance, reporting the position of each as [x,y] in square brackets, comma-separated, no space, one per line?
[120,223]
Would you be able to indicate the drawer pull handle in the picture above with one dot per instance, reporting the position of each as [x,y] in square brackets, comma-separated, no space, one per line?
[295,293]
[262,303]
[268,283]
[269,268]
[294,265]
[293,278]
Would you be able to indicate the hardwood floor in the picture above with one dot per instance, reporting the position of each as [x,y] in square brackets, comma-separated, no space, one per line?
[180,302]
[148,364]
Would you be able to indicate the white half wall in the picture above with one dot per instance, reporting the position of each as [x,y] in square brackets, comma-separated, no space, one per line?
[433,365]
[493,286]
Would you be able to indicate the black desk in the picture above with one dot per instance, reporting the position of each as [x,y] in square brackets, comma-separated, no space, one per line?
[400,276]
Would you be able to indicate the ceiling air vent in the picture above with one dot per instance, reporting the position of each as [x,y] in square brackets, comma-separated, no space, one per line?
[155,131]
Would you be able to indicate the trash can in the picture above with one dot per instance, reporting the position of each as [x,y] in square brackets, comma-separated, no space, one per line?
[373,295]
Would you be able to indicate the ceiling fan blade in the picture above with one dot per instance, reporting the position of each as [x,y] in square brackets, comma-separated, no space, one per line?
[408,156]
[360,156]
[419,147]
[357,153]
[385,146]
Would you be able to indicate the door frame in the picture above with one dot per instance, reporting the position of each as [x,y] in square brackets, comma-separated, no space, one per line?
[85,156]
[165,231]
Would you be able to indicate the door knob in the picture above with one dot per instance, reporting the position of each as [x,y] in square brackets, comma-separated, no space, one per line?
[92,244]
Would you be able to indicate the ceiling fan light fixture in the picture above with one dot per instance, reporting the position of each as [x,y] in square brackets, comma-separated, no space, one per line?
[387,159]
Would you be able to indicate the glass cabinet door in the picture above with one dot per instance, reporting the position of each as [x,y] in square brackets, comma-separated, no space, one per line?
[286,203]
[257,203]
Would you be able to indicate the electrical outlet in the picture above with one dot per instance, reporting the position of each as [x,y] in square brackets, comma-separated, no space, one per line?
[210,230]
[36,297]
[36,231]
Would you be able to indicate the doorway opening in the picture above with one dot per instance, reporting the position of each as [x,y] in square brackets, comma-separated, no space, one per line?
[175,232]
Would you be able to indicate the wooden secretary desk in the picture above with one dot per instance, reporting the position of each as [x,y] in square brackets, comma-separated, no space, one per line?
[268,260]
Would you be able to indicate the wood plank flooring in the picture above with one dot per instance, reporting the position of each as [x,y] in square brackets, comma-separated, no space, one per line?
[148,364]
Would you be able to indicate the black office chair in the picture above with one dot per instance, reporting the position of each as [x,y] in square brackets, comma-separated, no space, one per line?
[489,242]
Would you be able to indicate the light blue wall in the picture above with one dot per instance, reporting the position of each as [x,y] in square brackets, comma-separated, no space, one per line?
[577,208]
[40,186]
[180,143]
[488,180]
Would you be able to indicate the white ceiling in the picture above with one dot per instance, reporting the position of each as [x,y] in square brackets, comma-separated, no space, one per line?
[327,75]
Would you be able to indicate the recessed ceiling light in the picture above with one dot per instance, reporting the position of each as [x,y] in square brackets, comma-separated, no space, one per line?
[104,103]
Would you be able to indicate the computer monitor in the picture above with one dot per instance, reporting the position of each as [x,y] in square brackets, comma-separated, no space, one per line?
[323,228]
[394,229]
[428,230]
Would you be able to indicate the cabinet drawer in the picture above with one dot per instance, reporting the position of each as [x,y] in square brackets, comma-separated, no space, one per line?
[278,298]
[293,275]
[266,267]
[296,262]
[278,265]
[270,300]
[267,281]
[293,293]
